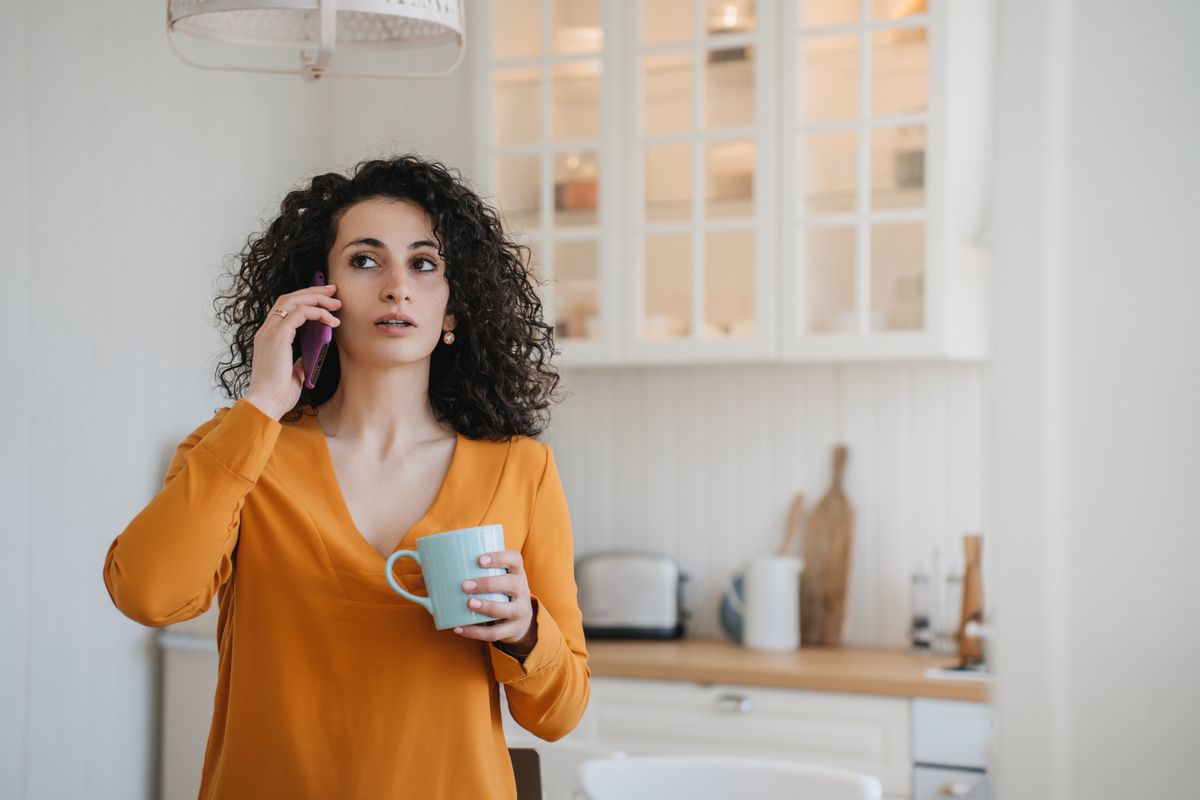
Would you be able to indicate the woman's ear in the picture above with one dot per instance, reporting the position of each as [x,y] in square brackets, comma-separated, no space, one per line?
[448,324]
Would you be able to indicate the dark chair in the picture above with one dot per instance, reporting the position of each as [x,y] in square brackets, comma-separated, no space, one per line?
[528,771]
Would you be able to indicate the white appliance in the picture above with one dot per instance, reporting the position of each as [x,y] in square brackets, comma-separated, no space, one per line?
[952,749]
[630,595]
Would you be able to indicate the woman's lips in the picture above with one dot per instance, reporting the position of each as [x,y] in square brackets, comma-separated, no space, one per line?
[395,330]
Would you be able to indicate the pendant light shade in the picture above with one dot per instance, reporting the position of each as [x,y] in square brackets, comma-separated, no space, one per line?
[317,27]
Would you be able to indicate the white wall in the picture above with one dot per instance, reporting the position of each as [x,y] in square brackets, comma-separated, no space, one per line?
[128,177]
[369,117]
[1097,389]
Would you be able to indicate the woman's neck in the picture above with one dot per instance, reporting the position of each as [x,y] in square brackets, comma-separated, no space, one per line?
[384,412]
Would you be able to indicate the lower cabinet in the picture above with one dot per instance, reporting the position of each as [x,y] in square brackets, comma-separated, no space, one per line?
[919,748]
[864,733]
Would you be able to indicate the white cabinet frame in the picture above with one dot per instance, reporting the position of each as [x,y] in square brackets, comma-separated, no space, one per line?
[764,344]
[957,175]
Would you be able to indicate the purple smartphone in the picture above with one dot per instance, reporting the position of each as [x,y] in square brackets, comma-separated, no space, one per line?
[315,337]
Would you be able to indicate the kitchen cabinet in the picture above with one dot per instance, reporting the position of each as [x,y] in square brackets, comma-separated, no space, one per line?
[728,180]
[858,732]
[952,733]
[547,148]
[952,743]
[698,138]
[885,158]
[913,745]
[936,783]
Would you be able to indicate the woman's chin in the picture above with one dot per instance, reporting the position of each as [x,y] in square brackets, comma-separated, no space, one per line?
[384,354]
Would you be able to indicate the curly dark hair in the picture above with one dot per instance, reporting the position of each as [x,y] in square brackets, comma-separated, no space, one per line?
[495,381]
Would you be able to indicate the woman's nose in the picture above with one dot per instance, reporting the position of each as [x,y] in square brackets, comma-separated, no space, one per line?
[397,286]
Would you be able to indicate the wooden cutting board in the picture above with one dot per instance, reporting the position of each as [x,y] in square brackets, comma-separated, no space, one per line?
[794,523]
[828,538]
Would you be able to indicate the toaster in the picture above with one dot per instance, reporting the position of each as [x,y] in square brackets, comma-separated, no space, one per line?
[630,595]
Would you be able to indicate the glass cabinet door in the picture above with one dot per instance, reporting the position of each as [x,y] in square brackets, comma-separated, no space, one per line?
[669,166]
[545,73]
[859,112]
[696,132]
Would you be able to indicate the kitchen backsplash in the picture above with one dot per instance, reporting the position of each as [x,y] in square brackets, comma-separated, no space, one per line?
[702,462]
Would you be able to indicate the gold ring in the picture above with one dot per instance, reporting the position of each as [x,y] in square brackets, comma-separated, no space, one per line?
[282,314]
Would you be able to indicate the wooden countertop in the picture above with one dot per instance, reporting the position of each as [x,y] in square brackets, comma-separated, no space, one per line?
[831,669]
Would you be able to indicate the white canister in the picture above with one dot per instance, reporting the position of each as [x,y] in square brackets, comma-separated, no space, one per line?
[772,592]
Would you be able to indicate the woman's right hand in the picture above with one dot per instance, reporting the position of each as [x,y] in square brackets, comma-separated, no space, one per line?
[276,380]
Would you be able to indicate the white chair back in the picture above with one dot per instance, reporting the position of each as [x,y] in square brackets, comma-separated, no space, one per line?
[720,778]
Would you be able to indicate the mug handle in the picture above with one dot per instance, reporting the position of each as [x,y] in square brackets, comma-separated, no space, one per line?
[422,601]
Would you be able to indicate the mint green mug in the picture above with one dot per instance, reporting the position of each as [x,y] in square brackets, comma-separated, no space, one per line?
[446,560]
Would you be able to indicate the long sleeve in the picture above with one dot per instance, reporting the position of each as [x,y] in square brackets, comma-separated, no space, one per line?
[548,692]
[173,556]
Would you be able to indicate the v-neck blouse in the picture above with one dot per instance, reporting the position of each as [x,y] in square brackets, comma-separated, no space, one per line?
[337,498]
[329,683]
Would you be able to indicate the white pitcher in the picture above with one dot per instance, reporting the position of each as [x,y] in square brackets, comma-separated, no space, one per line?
[772,591]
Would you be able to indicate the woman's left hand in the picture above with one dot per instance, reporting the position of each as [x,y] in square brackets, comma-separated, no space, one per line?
[514,625]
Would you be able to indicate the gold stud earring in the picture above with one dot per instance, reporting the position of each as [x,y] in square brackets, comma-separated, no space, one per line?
[448,337]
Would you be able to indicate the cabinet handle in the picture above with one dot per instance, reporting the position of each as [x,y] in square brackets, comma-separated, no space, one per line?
[734,704]
[954,789]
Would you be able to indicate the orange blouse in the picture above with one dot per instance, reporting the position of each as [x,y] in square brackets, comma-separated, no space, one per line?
[330,684]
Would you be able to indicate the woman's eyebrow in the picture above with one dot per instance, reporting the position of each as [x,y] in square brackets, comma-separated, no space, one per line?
[372,242]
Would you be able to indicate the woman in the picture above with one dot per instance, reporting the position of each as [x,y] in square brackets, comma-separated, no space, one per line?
[286,504]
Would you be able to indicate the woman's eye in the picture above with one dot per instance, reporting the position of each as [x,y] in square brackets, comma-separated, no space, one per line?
[357,256]
[429,261]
